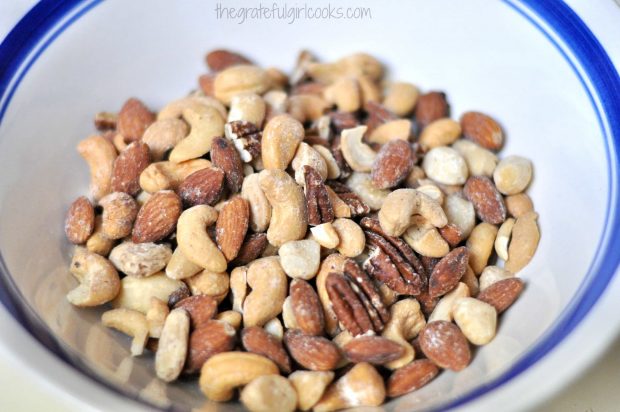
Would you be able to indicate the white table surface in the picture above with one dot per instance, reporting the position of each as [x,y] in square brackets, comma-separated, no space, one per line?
[596,390]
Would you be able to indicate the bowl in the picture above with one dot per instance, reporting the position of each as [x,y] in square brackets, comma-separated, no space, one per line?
[534,66]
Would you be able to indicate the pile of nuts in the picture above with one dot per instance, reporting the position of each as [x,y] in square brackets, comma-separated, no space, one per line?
[319,241]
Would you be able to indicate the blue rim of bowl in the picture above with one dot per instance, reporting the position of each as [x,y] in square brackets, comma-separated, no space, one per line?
[17,56]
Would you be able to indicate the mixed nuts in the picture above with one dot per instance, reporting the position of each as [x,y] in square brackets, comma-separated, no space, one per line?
[320,241]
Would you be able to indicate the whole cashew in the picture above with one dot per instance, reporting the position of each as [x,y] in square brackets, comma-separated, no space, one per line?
[136,293]
[167,175]
[247,107]
[163,135]
[224,372]
[206,123]
[406,321]
[130,322]
[357,153]
[395,129]
[269,289]
[174,109]
[100,154]
[401,205]
[194,241]
[180,267]
[99,281]
[289,219]
[260,209]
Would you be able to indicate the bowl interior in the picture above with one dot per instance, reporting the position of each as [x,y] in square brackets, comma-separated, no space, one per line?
[485,56]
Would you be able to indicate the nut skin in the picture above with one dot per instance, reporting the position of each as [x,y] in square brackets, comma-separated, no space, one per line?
[306,308]
[443,343]
[411,377]
[211,338]
[128,166]
[251,249]
[256,340]
[482,129]
[133,119]
[372,349]
[203,187]
[157,218]
[448,272]
[318,204]
[392,165]
[488,202]
[502,294]
[312,352]
[80,221]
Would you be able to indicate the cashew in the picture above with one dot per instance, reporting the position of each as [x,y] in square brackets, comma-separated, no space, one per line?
[480,161]
[471,280]
[310,386]
[345,94]
[351,235]
[206,124]
[167,175]
[445,165]
[306,155]
[341,209]
[194,241]
[406,321]
[136,293]
[172,348]
[289,219]
[248,107]
[476,319]
[163,135]
[99,281]
[355,65]
[277,78]
[413,180]
[306,107]
[360,386]
[131,323]
[269,393]
[180,267]
[214,284]
[425,239]
[332,263]
[512,175]
[493,274]
[119,142]
[460,212]
[174,109]
[239,287]
[274,328]
[240,79]
[480,245]
[97,242]
[119,212]
[401,205]
[281,136]
[401,98]
[300,259]
[100,154]
[290,321]
[518,205]
[260,209]
[503,237]
[276,101]
[523,243]
[441,132]
[156,316]
[231,317]
[433,191]
[371,92]
[269,289]
[325,234]
[357,153]
[388,296]
[399,129]
[140,259]
[443,310]
[333,170]
[361,184]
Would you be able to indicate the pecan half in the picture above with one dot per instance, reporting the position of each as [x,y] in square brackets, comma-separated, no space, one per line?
[356,300]
[345,169]
[357,205]
[317,200]
[246,138]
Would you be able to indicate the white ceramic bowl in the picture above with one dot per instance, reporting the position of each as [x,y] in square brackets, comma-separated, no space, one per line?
[534,66]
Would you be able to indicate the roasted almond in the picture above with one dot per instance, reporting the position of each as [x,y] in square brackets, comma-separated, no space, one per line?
[443,343]
[253,247]
[213,337]
[306,307]
[372,349]
[225,156]
[312,352]
[157,218]
[231,226]
[448,272]
[133,120]
[430,107]
[80,221]
[221,59]
[128,166]
[452,234]
[257,340]
[205,82]
[482,129]
[411,377]
[203,187]
[502,294]
[392,165]
[487,200]
[201,309]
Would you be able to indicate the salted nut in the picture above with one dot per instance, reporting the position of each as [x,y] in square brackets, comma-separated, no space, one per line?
[194,241]
[357,153]
[130,322]
[398,208]
[100,154]
[99,281]
[206,123]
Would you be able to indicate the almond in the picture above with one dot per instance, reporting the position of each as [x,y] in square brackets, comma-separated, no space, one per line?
[201,309]
[231,226]
[203,187]
[306,307]
[411,377]
[253,247]
[205,82]
[393,164]
[312,352]
[80,221]
[221,59]
[213,337]
[128,166]
[488,202]
[157,218]
[256,340]
[452,234]
[502,294]
[133,119]
[482,129]
[373,349]
[430,107]
[448,272]
[443,343]
[225,156]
